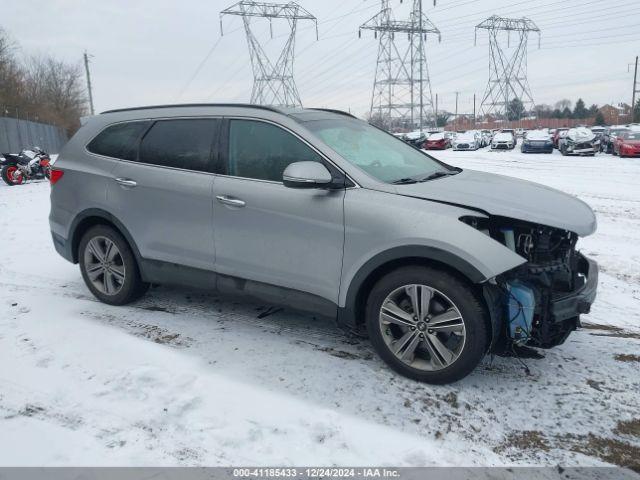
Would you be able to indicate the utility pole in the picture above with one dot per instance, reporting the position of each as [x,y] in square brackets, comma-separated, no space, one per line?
[421,64]
[456,122]
[436,111]
[475,124]
[86,67]
[635,90]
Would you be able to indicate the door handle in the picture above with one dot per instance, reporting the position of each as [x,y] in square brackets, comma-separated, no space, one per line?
[230,201]
[126,182]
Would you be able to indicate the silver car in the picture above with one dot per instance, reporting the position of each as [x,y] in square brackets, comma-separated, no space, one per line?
[323,212]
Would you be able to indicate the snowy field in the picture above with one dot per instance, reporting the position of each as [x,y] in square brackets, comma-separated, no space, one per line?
[186,378]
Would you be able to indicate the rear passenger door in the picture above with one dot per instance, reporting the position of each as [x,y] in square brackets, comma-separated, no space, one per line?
[164,196]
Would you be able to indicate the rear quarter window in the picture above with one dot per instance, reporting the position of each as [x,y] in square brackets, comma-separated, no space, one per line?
[119,140]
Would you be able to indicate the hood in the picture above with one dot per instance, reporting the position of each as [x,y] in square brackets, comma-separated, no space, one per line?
[631,142]
[508,197]
[580,135]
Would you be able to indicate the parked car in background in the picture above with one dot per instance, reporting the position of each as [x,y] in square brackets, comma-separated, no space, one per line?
[520,132]
[598,131]
[437,141]
[609,137]
[557,135]
[466,141]
[503,141]
[579,141]
[451,136]
[627,144]
[537,141]
[474,263]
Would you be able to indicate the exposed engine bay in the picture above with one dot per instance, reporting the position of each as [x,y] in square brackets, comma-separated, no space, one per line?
[533,299]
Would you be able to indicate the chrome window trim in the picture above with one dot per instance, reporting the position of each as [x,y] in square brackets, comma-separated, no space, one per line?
[302,139]
[221,117]
[153,120]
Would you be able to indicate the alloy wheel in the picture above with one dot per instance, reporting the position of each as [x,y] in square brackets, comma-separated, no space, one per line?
[104,265]
[422,327]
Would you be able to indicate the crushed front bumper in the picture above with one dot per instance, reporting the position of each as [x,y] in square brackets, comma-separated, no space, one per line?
[579,301]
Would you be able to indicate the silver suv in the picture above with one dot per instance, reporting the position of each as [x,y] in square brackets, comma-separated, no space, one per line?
[320,211]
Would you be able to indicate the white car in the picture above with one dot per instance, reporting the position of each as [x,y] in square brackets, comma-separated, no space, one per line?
[466,141]
[503,141]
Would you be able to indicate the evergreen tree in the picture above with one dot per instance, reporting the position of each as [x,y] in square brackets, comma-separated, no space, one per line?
[580,111]
[515,109]
[566,113]
[599,119]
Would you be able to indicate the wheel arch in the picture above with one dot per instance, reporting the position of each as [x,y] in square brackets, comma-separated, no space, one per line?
[351,315]
[92,217]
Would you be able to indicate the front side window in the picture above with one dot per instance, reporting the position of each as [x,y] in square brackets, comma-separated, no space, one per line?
[263,151]
[119,140]
[379,154]
[181,143]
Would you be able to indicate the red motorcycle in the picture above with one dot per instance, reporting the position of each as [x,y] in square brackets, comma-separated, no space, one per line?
[29,164]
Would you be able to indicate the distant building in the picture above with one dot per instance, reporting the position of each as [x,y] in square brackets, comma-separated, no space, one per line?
[616,114]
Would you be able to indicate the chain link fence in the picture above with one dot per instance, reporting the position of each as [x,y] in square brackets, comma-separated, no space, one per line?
[17,134]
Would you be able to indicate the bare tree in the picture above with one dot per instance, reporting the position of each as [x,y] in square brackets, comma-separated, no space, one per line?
[47,89]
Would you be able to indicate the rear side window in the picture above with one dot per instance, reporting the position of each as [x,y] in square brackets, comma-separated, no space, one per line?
[262,151]
[119,141]
[184,143]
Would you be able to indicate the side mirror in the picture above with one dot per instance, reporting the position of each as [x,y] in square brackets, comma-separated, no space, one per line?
[306,175]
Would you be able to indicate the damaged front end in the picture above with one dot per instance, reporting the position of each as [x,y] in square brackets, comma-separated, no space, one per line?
[539,303]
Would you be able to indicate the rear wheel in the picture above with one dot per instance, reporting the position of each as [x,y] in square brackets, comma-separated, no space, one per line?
[12,175]
[426,324]
[109,267]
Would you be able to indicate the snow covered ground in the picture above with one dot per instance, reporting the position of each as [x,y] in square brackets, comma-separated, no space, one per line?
[186,378]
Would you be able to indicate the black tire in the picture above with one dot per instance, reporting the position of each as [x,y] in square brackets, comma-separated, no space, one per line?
[5,176]
[133,287]
[459,293]
[563,151]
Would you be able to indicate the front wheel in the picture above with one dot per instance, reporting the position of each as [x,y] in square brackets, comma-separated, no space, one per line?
[12,175]
[426,324]
[109,267]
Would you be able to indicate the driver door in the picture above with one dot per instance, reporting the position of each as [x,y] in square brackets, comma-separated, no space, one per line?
[269,233]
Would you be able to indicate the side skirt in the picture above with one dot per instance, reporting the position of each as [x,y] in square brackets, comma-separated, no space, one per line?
[164,273]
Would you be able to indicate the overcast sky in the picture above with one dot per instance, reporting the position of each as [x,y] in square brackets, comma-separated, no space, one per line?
[147,51]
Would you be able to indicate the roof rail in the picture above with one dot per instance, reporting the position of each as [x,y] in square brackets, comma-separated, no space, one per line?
[153,107]
[331,110]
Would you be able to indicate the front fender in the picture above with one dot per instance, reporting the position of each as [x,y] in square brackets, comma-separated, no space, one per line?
[382,227]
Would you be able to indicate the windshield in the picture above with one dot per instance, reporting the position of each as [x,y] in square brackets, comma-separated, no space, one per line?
[376,152]
[632,136]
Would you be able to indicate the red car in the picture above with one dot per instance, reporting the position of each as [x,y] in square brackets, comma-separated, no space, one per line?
[437,141]
[559,133]
[627,144]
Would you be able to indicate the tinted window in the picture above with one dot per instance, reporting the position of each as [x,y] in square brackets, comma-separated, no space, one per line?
[180,144]
[119,141]
[263,151]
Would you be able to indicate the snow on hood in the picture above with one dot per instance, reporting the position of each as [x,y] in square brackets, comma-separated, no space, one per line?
[580,134]
[538,135]
[465,137]
[503,137]
[508,197]
[436,136]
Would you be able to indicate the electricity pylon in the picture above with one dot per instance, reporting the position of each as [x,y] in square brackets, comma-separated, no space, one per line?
[273,83]
[507,73]
[402,93]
